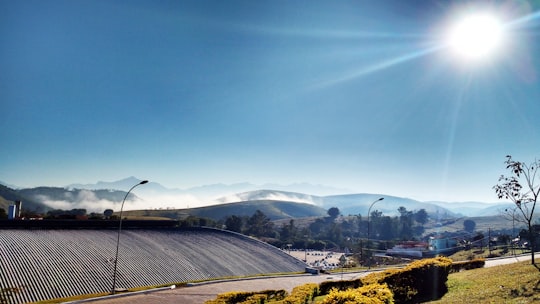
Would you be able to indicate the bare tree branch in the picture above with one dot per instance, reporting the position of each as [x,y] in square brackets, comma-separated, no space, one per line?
[521,188]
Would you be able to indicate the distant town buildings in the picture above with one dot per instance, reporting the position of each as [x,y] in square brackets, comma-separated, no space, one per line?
[14,211]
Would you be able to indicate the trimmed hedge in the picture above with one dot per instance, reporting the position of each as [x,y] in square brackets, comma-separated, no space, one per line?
[248,297]
[302,294]
[420,281]
[467,265]
[367,294]
[326,287]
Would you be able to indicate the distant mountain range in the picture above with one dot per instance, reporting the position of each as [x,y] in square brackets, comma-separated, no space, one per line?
[108,195]
[211,191]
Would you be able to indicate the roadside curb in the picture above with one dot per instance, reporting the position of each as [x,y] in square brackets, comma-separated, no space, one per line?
[121,295]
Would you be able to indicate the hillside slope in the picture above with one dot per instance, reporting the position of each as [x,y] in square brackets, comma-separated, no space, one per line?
[360,203]
[8,196]
[273,209]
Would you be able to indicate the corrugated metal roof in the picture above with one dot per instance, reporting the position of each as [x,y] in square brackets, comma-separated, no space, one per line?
[44,264]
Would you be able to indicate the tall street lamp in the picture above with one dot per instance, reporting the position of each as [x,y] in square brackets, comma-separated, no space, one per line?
[369,211]
[118,238]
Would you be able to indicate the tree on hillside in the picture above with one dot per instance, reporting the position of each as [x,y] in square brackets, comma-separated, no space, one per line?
[374,224]
[317,226]
[334,233]
[421,217]
[195,221]
[522,187]
[469,225]
[356,225]
[260,225]
[405,223]
[234,223]
[333,212]
[387,228]
[288,232]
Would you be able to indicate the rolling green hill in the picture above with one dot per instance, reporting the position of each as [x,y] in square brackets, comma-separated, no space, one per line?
[359,204]
[273,209]
[483,224]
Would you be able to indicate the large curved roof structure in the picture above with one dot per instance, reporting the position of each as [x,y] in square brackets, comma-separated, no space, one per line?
[41,264]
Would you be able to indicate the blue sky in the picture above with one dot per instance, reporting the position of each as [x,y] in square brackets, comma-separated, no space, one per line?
[361,95]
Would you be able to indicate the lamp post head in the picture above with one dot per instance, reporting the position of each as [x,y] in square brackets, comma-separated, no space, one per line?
[380,199]
[143,182]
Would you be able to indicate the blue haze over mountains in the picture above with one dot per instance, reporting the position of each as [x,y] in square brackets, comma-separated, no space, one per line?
[155,196]
[320,195]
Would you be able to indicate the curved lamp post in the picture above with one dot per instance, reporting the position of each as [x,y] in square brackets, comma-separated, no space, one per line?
[369,211]
[118,238]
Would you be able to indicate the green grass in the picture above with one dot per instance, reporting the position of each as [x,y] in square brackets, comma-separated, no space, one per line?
[508,284]
[464,255]
[513,283]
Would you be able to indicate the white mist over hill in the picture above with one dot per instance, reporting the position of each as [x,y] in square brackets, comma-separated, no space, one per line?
[155,196]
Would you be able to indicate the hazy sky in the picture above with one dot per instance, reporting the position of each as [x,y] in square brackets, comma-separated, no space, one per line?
[363,95]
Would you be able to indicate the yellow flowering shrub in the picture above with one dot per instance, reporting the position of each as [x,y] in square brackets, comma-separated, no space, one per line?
[367,294]
[420,281]
[247,297]
[302,294]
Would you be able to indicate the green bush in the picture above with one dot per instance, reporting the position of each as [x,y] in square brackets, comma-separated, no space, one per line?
[232,297]
[255,299]
[368,294]
[302,294]
[420,281]
[467,265]
[247,297]
[325,287]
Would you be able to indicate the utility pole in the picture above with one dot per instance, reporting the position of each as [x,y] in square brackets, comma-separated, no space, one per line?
[489,241]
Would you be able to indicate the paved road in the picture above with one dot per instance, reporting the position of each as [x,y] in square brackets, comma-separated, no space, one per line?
[517,258]
[198,294]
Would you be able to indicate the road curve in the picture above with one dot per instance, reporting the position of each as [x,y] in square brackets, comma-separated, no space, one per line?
[198,294]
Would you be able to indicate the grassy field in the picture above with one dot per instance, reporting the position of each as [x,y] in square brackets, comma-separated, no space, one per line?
[464,255]
[513,283]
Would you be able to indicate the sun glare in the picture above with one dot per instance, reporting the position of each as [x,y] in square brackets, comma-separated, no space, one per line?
[476,37]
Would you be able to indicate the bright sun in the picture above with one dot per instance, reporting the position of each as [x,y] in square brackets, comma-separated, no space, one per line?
[476,37]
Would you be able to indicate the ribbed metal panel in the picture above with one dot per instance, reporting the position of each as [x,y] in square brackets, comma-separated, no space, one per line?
[39,265]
